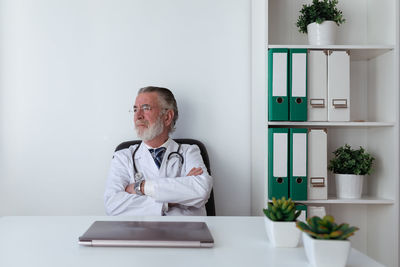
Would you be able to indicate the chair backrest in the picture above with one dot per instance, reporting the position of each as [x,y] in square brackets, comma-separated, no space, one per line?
[210,205]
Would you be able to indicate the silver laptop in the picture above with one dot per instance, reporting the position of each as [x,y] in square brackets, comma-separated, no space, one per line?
[147,234]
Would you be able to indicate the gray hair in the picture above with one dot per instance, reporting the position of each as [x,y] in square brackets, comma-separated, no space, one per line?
[166,100]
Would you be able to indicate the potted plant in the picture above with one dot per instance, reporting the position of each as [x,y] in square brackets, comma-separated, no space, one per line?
[280,223]
[320,20]
[350,166]
[322,237]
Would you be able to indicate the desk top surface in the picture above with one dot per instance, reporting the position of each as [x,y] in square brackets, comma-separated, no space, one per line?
[53,241]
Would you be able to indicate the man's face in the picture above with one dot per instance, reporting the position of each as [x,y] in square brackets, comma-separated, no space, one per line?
[148,116]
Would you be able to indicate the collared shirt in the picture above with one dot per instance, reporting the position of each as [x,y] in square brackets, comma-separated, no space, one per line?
[166,144]
[148,185]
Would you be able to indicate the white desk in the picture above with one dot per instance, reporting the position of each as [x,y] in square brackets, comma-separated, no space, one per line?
[53,241]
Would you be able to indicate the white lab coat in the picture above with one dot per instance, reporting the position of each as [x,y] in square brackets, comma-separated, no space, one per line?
[171,185]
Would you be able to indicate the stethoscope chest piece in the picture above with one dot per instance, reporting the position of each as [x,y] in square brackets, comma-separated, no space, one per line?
[138,176]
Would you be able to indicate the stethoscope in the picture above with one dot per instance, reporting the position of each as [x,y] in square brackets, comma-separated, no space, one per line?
[139,176]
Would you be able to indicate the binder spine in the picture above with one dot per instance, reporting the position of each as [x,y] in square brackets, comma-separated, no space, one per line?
[298,85]
[317,85]
[278,105]
[339,86]
[278,181]
[298,164]
[317,164]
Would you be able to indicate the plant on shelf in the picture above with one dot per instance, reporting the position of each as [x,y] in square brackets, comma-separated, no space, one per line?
[318,12]
[351,161]
[282,210]
[319,20]
[349,166]
[322,236]
[280,223]
[326,228]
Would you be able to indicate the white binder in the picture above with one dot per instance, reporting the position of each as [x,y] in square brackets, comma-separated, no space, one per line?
[317,85]
[317,187]
[315,211]
[338,86]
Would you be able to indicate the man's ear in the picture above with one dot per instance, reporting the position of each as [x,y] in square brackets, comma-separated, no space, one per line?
[168,117]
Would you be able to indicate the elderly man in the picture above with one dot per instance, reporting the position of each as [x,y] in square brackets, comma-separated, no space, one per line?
[157,177]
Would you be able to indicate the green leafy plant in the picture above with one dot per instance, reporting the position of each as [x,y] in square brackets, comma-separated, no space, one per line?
[318,12]
[282,210]
[326,228]
[351,161]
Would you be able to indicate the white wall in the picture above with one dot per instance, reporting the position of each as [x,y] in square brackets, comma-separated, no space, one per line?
[69,72]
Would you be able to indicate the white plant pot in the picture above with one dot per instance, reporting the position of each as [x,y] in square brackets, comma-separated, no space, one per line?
[349,185]
[322,34]
[326,253]
[282,234]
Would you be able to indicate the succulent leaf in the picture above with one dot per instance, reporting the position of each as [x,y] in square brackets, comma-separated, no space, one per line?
[314,222]
[282,210]
[326,228]
[328,218]
[285,205]
[322,229]
[349,232]
[290,208]
[279,215]
[336,234]
[303,226]
[290,218]
[272,216]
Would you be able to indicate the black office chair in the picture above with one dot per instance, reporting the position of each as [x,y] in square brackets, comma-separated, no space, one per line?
[210,205]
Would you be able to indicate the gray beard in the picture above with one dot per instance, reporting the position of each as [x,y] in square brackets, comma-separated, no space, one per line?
[152,132]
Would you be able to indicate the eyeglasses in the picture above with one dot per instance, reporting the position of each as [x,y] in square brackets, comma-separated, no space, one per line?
[145,108]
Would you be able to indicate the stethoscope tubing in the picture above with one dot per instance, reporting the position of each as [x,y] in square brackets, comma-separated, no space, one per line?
[168,158]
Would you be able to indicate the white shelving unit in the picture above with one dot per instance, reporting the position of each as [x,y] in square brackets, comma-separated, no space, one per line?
[371,34]
[364,200]
[357,52]
[361,124]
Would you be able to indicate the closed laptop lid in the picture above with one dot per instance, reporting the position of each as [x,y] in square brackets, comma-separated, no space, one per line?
[148,234]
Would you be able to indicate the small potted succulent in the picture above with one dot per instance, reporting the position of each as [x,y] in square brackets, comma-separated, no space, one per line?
[350,166]
[322,237]
[280,223]
[320,20]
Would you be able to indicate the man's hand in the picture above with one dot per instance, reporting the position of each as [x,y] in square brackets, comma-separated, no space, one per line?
[130,189]
[195,171]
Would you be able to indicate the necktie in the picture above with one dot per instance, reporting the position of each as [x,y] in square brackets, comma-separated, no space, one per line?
[157,155]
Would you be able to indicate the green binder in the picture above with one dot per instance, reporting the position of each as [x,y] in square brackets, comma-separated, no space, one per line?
[278,181]
[298,85]
[278,84]
[298,164]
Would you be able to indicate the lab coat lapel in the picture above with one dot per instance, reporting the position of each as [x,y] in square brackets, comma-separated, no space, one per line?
[170,168]
[145,162]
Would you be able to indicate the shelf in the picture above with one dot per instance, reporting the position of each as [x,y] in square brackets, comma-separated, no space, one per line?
[364,200]
[330,124]
[357,52]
